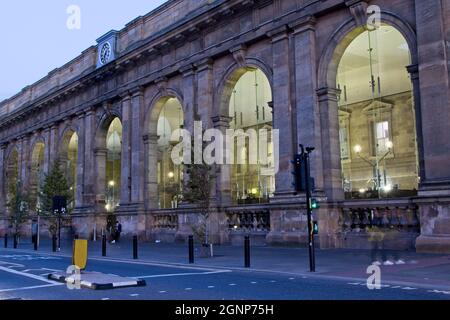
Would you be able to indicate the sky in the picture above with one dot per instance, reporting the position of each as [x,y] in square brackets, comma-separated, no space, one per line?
[35,38]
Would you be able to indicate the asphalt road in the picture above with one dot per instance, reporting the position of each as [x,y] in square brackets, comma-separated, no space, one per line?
[23,276]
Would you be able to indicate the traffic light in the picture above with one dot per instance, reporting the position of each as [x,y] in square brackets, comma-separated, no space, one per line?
[299,173]
[315,227]
[314,204]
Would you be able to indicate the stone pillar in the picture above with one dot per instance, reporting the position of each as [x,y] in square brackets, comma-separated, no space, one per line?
[282,115]
[223,183]
[2,180]
[47,161]
[89,159]
[80,163]
[53,144]
[331,155]
[100,177]
[137,147]
[25,164]
[434,192]
[151,171]
[413,71]
[307,111]
[189,95]
[125,187]
[205,89]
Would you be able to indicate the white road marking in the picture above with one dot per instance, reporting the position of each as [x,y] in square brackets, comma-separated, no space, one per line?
[272,281]
[31,288]
[28,275]
[180,274]
[354,283]
[291,278]
[134,295]
[105,299]
[439,291]
[409,288]
[188,289]
[232,284]
[253,282]
[163,292]
[210,287]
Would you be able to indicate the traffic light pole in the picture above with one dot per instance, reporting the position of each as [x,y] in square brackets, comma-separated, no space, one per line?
[312,258]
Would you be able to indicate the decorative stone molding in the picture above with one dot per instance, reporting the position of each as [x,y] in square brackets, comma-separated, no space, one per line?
[161,83]
[239,54]
[187,70]
[326,94]
[205,64]
[221,121]
[278,34]
[304,24]
[358,9]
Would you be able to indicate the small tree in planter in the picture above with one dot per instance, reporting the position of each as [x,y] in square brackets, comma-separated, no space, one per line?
[55,185]
[197,191]
[18,205]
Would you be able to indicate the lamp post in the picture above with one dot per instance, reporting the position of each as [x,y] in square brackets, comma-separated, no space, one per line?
[374,164]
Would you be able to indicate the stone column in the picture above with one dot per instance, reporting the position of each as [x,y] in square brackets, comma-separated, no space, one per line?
[89,159]
[100,177]
[205,83]
[47,161]
[2,180]
[25,164]
[53,144]
[137,147]
[282,115]
[151,171]
[189,96]
[223,183]
[434,91]
[434,191]
[307,111]
[125,186]
[331,156]
[80,163]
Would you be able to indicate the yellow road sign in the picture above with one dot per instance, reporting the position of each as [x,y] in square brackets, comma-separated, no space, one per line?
[80,253]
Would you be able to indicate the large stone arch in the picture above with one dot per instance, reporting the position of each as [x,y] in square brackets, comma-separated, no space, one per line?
[338,42]
[229,79]
[155,106]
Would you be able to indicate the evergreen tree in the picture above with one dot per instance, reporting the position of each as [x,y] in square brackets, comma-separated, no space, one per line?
[18,205]
[55,185]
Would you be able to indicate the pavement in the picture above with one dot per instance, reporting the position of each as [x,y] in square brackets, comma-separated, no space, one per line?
[276,273]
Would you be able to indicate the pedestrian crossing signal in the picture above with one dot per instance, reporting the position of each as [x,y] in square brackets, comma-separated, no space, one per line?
[316,227]
[314,204]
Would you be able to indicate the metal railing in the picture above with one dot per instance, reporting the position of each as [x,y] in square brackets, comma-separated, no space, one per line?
[250,221]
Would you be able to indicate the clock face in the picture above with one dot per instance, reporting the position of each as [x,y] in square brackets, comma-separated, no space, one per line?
[105,53]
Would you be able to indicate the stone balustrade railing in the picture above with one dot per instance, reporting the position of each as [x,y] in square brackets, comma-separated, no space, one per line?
[361,219]
[249,221]
[165,221]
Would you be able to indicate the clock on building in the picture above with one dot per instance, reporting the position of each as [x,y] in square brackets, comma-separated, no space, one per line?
[105,53]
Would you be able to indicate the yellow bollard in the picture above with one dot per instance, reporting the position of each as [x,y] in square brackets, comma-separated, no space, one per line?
[80,253]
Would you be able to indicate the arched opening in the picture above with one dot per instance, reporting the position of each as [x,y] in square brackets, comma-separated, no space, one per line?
[68,158]
[113,165]
[12,174]
[377,129]
[252,172]
[37,175]
[169,175]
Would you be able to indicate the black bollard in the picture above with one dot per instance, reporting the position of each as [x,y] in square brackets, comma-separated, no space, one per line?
[104,246]
[135,247]
[76,236]
[6,240]
[191,249]
[15,241]
[247,251]
[35,244]
[54,243]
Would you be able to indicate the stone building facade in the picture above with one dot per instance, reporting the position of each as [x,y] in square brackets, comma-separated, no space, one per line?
[103,116]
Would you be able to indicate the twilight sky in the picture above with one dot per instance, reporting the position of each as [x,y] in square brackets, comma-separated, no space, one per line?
[35,38]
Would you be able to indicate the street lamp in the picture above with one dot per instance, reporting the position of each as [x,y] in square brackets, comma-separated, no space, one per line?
[375,164]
